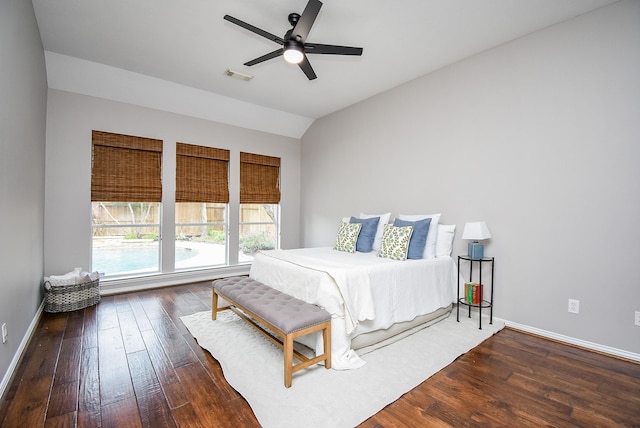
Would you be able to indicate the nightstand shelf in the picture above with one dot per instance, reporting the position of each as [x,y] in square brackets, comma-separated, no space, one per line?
[483,304]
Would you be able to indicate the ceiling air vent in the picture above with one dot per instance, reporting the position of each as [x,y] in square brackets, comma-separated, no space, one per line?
[238,75]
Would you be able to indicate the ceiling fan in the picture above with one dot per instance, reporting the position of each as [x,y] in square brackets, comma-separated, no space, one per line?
[294,46]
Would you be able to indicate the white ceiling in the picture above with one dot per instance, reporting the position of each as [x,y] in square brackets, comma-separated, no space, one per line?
[189,44]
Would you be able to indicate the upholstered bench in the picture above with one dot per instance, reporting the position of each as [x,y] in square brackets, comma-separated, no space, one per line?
[284,315]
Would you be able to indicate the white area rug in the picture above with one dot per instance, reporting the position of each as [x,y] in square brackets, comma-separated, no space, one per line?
[330,398]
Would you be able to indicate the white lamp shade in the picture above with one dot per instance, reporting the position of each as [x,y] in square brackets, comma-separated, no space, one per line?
[476,231]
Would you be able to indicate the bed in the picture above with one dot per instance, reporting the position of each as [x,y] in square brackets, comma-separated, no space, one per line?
[371,299]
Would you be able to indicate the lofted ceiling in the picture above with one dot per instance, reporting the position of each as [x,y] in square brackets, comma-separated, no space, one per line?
[189,44]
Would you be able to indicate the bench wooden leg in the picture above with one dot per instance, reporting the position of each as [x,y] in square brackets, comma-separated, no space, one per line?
[326,338]
[288,360]
[214,305]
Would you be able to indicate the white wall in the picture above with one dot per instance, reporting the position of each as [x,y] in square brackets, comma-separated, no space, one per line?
[540,139]
[23,98]
[70,120]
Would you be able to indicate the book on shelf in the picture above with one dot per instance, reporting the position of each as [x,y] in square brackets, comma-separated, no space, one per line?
[473,293]
[478,293]
[468,291]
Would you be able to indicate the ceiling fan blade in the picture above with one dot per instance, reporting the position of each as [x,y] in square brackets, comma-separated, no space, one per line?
[253,29]
[316,48]
[305,66]
[270,55]
[308,17]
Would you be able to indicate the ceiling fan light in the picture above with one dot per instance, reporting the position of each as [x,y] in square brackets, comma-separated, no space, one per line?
[293,52]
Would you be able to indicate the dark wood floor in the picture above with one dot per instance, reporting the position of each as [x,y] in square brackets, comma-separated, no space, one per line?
[129,361]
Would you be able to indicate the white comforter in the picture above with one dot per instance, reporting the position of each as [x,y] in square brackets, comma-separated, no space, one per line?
[363,292]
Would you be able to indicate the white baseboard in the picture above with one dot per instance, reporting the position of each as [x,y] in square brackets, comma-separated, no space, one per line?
[573,341]
[23,346]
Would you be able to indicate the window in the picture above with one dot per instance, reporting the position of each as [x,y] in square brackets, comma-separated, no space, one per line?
[259,204]
[125,237]
[258,229]
[126,192]
[202,198]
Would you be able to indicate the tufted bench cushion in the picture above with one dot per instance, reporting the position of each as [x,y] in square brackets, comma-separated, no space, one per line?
[283,311]
[284,315]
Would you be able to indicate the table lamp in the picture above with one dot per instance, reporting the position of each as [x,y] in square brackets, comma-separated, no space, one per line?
[476,231]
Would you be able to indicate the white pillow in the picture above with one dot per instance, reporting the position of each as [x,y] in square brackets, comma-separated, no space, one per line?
[444,244]
[432,235]
[384,219]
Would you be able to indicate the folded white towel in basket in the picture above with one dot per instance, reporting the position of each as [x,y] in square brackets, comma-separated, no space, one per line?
[67,276]
[88,276]
[77,276]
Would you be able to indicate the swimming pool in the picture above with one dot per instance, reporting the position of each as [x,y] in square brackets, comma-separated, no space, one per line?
[119,260]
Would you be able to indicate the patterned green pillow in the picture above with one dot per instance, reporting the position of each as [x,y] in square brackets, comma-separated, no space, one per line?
[395,242]
[347,237]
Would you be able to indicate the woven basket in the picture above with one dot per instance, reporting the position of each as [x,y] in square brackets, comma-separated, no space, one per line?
[65,298]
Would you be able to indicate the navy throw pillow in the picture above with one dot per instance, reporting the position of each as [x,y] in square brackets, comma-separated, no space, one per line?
[367,235]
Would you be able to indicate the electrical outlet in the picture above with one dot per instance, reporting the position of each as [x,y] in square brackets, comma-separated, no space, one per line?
[574,306]
[637,322]
[4,333]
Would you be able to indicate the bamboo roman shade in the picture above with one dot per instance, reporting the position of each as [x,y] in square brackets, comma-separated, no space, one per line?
[202,174]
[125,168]
[259,179]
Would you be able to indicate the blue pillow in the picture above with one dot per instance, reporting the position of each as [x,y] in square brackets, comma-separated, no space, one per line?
[418,238]
[367,233]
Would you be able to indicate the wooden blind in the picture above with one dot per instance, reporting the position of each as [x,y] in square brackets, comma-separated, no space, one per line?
[259,179]
[202,174]
[125,168]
